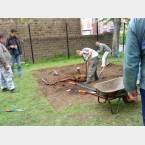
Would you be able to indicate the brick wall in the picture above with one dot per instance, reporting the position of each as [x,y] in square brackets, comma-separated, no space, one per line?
[41,26]
[48,47]
[49,36]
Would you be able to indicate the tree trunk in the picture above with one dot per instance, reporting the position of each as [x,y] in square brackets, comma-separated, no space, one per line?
[115,43]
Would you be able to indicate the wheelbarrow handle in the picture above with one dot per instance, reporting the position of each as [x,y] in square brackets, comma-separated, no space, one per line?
[73,83]
[83,92]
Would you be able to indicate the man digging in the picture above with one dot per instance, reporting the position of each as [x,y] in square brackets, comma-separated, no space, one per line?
[90,55]
[101,47]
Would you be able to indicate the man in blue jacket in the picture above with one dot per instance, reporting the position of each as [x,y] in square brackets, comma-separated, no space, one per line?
[14,46]
[135,55]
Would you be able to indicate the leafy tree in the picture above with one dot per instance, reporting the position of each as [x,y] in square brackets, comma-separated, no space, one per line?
[116,32]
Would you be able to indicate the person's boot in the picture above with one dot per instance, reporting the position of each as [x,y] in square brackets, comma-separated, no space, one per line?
[96,76]
[20,76]
[87,82]
[5,89]
[14,90]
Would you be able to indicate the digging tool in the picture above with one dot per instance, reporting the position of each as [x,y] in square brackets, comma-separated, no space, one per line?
[78,70]
[83,92]
[62,80]
[73,83]
[86,65]
[101,72]
[55,73]
[45,82]
[12,110]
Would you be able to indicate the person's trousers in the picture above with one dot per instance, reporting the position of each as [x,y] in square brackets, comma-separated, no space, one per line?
[104,58]
[6,79]
[18,61]
[93,69]
[142,92]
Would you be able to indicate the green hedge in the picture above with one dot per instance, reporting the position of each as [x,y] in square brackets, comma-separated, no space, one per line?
[121,38]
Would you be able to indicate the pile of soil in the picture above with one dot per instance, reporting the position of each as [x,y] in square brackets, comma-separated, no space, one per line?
[62,94]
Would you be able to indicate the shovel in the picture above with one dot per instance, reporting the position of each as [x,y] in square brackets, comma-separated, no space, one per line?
[86,65]
[83,92]
[80,85]
[101,72]
[12,110]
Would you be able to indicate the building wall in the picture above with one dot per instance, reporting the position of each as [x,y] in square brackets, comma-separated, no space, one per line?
[89,26]
[49,36]
[41,26]
[48,47]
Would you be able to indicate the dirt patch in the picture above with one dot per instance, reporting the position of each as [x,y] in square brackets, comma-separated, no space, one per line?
[63,94]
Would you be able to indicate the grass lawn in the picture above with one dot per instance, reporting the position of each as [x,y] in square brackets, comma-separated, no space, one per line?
[38,111]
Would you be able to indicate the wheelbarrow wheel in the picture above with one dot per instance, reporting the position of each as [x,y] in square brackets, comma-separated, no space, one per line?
[127,100]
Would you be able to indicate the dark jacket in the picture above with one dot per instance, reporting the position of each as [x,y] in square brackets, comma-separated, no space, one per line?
[9,42]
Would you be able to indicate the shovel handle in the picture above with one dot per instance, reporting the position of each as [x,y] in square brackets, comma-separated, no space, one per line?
[44,81]
[101,71]
[72,83]
[86,65]
[83,92]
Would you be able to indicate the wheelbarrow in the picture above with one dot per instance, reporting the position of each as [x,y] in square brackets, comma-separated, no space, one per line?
[112,89]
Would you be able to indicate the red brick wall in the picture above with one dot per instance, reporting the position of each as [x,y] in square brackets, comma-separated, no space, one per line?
[41,26]
[49,36]
[48,47]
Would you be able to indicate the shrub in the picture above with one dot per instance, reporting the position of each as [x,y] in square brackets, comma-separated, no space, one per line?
[121,38]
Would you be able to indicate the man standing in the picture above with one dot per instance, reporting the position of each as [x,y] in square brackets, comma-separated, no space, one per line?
[101,47]
[6,74]
[90,55]
[135,56]
[13,44]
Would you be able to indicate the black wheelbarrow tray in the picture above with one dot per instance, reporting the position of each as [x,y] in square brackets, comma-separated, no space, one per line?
[112,89]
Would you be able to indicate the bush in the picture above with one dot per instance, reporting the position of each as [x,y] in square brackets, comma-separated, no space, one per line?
[121,38]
